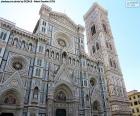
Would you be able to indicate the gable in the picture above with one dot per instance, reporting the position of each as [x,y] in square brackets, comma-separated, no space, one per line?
[63,19]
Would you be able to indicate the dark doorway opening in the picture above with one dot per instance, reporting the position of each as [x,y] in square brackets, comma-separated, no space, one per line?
[7,114]
[60,112]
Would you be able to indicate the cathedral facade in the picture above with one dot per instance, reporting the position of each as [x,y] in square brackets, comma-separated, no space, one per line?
[48,72]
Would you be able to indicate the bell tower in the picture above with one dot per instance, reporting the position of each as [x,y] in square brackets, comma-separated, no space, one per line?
[101,47]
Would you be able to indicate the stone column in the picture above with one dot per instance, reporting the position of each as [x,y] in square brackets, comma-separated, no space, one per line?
[50,108]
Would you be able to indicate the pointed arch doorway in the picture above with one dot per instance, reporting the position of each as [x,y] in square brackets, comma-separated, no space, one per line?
[63,101]
[60,112]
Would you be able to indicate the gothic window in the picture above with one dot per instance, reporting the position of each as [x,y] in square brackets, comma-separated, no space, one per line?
[52,54]
[97,46]
[114,63]
[30,47]
[93,49]
[39,62]
[43,29]
[57,56]
[44,23]
[110,46]
[92,82]
[95,106]
[50,27]
[35,93]
[93,30]
[37,71]
[69,60]
[87,97]
[104,27]
[74,61]
[64,55]
[85,83]
[0,50]
[15,41]
[23,45]
[47,52]
[110,62]
[61,96]
[3,35]
[40,49]
[10,99]
[133,111]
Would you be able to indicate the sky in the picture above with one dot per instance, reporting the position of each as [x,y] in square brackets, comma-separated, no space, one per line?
[124,21]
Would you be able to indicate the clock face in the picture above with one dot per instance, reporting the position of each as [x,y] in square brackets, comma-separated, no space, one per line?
[61,42]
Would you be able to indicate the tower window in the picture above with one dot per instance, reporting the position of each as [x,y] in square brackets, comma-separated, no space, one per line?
[110,62]
[93,49]
[3,35]
[44,23]
[114,63]
[110,46]
[97,46]
[40,49]
[93,30]
[43,29]
[38,72]
[104,27]
[39,62]
[138,110]
[35,93]
[133,110]
[135,103]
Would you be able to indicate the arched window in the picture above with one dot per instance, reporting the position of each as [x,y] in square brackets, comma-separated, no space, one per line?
[61,96]
[30,47]
[15,41]
[114,63]
[57,56]
[97,46]
[35,93]
[47,52]
[73,61]
[93,49]
[104,27]
[93,30]
[69,60]
[1,35]
[64,55]
[92,82]
[110,46]
[52,54]
[4,37]
[110,62]
[96,106]
[38,72]
[87,97]
[23,44]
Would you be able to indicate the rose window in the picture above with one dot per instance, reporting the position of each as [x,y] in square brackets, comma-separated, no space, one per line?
[17,65]
[61,42]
